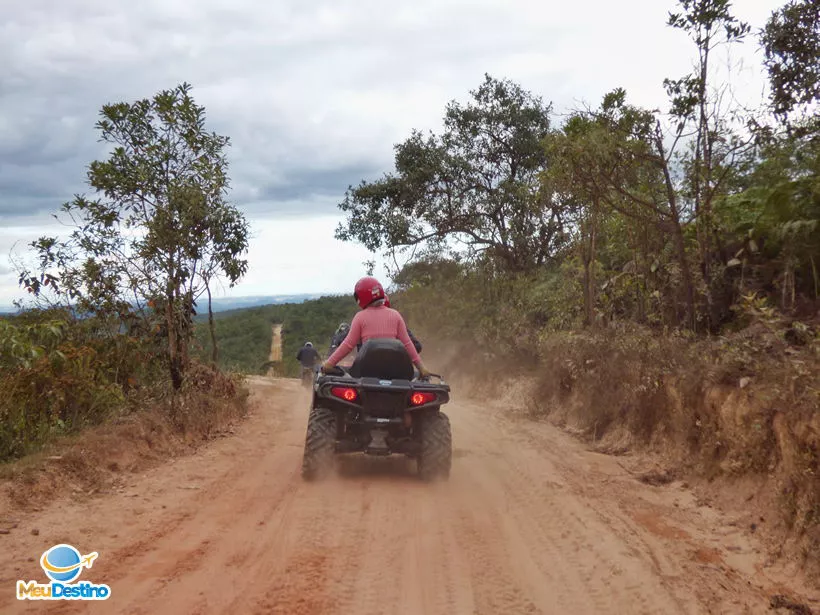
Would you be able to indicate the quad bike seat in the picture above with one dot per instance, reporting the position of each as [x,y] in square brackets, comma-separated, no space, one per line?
[383,358]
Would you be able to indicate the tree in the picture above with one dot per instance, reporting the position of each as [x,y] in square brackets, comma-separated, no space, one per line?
[775,220]
[709,24]
[791,42]
[228,232]
[615,159]
[476,184]
[160,230]
[621,157]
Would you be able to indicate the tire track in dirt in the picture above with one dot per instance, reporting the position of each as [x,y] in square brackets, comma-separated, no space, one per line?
[543,524]
[528,523]
[676,541]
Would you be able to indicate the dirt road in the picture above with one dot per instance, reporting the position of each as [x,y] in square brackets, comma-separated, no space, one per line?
[530,522]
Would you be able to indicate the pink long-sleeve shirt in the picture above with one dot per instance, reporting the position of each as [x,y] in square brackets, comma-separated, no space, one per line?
[375,322]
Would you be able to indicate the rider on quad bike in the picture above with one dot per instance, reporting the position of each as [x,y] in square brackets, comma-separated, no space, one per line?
[338,337]
[385,403]
[308,357]
[376,320]
[344,328]
[336,341]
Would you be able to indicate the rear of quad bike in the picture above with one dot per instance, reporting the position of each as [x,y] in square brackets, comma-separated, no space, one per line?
[354,412]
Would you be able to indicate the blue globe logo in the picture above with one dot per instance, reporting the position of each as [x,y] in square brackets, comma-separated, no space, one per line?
[62,563]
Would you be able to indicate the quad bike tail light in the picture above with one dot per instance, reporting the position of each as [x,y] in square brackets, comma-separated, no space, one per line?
[345,393]
[419,398]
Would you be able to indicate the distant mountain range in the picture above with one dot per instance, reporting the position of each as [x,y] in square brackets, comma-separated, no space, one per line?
[223,304]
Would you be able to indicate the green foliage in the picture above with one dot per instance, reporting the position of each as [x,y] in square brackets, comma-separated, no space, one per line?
[245,334]
[477,183]
[160,231]
[612,164]
[791,42]
[667,221]
[23,345]
[708,23]
[60,375]
[773,225]
[116,298]
[768,229]
[451,300]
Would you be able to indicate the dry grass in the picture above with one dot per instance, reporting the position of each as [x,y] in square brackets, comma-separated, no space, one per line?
[746,405]
[743,410]
[100,458]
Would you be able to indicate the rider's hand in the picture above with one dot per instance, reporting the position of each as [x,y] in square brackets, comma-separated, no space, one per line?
[424,372]
[325,367]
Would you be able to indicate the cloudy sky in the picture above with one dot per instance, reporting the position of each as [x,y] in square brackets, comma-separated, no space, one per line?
[312,93]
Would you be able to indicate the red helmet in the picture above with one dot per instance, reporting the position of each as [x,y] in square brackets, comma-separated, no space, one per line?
[368,290]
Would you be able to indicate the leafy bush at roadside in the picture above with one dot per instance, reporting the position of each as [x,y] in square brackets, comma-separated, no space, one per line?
[51,383]
[59,375]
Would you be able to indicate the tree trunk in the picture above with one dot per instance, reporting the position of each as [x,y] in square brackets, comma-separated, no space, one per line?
[186,324]
[592,284]
[703,187]
[686,274]
[588,256]
[587,294]
[174,360]
[214,347]
[677,232]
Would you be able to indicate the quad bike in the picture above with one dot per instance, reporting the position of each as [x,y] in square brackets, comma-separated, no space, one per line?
[378,407]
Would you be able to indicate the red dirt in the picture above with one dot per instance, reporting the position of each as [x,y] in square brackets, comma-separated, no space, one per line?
[530,522]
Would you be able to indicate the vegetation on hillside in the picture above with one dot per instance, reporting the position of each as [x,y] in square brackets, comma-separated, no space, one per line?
[244,335]
[673,220]
[638,261]
[115,300]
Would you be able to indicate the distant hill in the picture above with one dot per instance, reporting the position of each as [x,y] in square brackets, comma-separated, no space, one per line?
[243,327]
[244,334]
[222,304]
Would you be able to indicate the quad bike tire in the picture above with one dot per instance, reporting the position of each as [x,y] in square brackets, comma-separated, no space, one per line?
[320,443]
[436,450]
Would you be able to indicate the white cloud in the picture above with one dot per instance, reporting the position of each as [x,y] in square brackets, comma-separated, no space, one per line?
[299,255]
[313,93]
[288,255]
